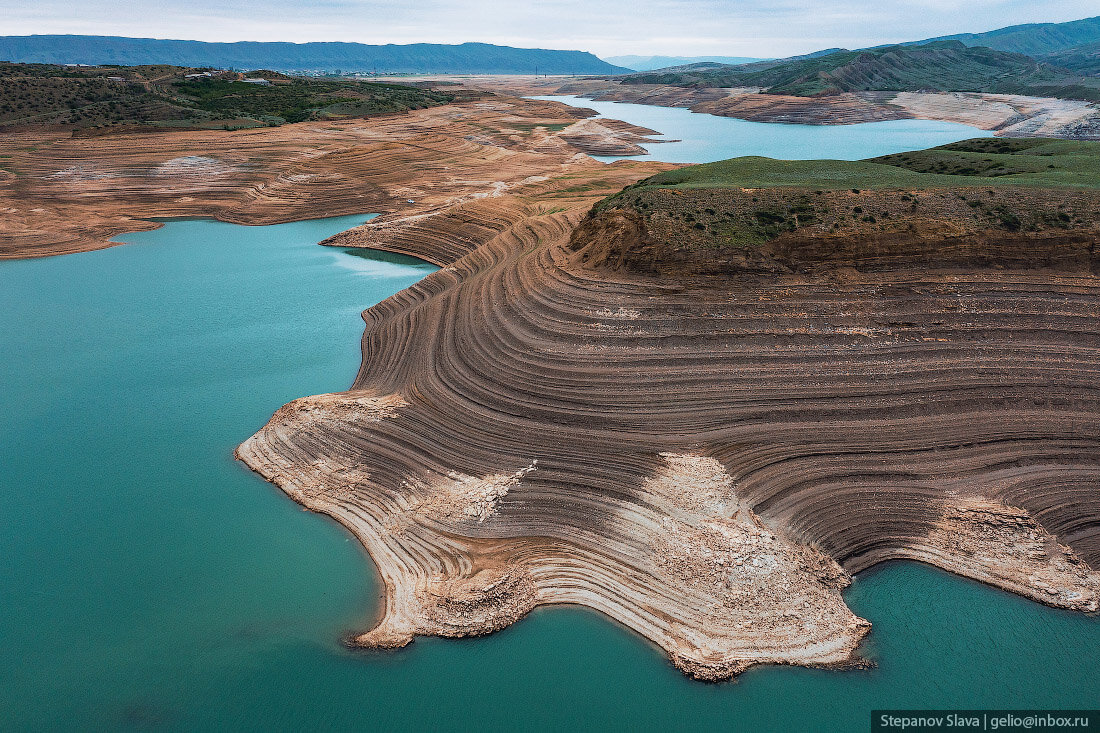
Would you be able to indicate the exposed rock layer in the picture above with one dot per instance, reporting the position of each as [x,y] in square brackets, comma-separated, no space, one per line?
[704,459]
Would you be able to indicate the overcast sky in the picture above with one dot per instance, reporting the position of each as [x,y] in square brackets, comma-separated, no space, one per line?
[605,27]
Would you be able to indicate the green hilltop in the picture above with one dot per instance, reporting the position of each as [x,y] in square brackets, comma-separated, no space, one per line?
[687,220]
[1033,39]
[1039,162]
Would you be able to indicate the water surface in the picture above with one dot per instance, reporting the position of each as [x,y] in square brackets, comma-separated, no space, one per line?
[704,138]
[150,582]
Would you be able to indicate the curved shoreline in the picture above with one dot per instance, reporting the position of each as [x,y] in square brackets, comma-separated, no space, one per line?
[1005,114]
[527,430]
[524,421]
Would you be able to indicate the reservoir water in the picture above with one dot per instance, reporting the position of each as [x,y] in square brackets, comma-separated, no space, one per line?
[150,582]
[703,138]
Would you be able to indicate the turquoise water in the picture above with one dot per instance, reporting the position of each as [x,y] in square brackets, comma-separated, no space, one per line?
[704,138]
[150,582]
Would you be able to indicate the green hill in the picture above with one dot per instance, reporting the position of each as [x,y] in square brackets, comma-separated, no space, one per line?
[941,66]
[1014,202]
[82,98]
[1039,162]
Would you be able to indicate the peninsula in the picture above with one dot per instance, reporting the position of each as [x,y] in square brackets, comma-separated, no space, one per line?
[703,403]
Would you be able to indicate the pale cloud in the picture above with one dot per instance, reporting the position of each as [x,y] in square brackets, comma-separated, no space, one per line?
[605,27]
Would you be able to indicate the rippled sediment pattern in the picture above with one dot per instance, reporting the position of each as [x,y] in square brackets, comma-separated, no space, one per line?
[705,461]
[61,194]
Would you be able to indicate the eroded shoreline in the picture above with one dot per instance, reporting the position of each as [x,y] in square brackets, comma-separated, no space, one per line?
[62,194]
[527,427]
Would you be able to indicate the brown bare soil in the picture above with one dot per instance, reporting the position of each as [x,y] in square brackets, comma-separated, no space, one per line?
[672,233]
[60,193]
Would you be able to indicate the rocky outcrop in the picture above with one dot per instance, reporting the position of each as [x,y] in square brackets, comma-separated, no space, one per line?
[608,137]
[672,233]
[835,109]
[1010,115]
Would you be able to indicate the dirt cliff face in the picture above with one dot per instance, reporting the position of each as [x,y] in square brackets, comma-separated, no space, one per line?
[705,456]
[670,232]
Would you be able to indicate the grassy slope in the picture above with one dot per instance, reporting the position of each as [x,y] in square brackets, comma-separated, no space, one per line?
[161,95]
[1084,59]
[942,66]
[978,162]
[980,185]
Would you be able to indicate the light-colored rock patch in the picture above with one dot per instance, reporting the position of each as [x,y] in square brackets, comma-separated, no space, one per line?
[460,497]
[763,598]
[193,165]
[1005,546]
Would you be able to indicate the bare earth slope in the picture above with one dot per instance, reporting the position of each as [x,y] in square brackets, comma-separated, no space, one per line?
[60,193]
[705,456]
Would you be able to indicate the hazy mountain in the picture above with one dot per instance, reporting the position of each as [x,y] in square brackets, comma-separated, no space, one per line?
[935,66]
[648,63]
[1033,39]
[466,58]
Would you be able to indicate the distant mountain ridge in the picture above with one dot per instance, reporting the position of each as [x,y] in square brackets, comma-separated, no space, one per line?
[935,66]
[1031,39]
[466,58]
[648,63]
[1073,45]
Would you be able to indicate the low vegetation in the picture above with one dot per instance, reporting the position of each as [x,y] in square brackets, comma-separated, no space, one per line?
[1034,39]
[971,187]
[1037,162]
[85,98]
[1084,59]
